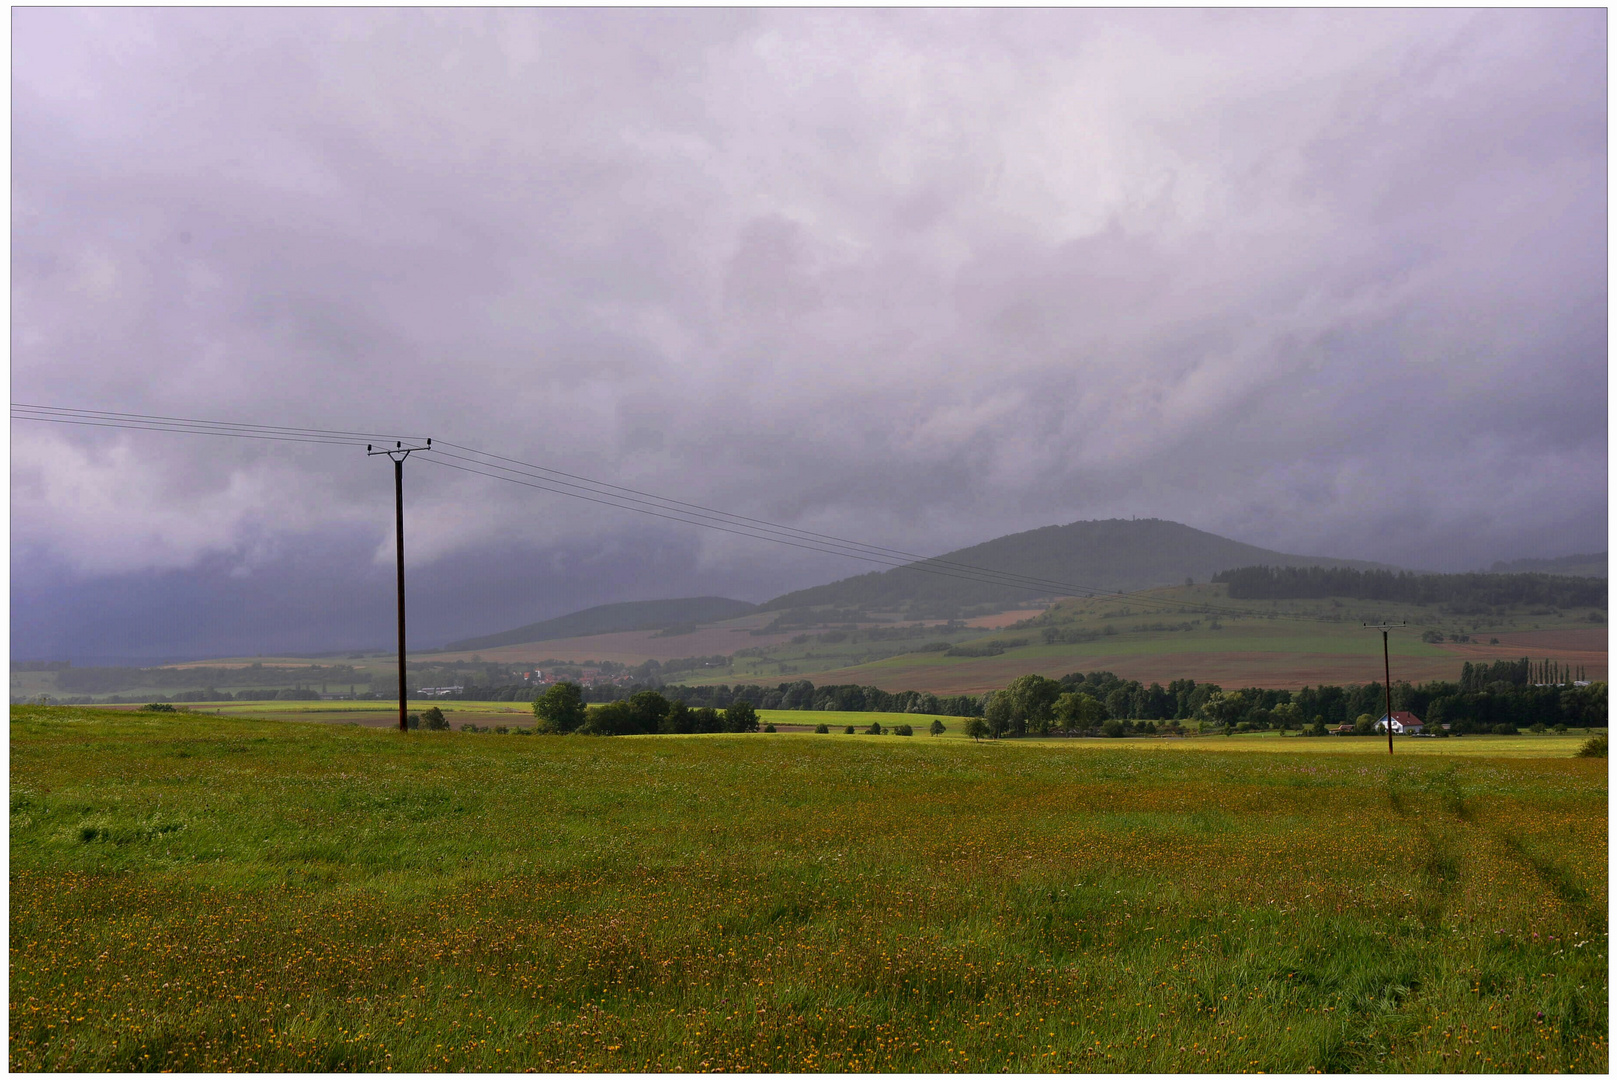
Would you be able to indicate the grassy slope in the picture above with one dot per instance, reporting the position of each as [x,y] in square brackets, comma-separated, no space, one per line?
[1111,555]
[1290,650]
[202,893]
[1255,650]
[610,618]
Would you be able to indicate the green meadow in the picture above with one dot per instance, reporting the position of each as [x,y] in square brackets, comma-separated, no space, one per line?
[201,893]
[1169,633]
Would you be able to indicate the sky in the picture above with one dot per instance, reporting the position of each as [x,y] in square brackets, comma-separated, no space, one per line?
[1329,282]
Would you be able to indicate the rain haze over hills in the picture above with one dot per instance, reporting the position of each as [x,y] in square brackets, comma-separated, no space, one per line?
[1325,282]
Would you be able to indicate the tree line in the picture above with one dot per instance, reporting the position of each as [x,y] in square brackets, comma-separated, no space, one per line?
[1102,704]
[833,697]
[1466,593]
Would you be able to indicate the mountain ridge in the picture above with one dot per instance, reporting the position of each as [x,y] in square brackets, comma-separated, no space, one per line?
[613,618]
[1112,555]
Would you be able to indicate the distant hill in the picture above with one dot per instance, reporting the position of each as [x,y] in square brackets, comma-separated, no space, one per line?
[612,618]
[1114,555]
[1591,565]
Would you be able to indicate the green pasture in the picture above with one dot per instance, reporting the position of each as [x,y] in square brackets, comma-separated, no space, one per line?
[1212,623]
[203,893]
[1236,636]
[515,714]
[1525,745]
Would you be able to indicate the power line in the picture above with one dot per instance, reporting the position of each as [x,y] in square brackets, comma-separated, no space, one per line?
[188,423]
[555,481]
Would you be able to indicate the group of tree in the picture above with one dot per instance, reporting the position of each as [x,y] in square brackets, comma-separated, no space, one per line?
[1519,673]
[561,710]
[1461,592]
[1095,704]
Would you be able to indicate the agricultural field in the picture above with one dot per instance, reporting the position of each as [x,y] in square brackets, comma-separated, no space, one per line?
[1285,644]
[198,892]
[1208,637]
[368,713]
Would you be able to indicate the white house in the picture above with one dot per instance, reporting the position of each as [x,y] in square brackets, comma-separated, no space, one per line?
[1403,723]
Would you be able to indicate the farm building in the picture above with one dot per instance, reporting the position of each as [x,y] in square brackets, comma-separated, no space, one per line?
[1403,723]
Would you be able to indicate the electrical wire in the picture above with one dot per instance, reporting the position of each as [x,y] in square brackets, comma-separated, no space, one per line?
[189,431]
[189,423]
[539,477]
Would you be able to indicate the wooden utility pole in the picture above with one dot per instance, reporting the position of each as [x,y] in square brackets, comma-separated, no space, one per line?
[398,453]
[1386,669]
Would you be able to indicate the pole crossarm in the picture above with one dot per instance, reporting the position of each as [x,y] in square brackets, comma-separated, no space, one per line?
[398,451]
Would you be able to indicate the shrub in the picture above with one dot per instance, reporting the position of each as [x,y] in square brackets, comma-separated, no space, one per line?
[433,720]
[1595,747]
[874,728]
[740,716]
[1538,728]
[937,727]
[1113,729]
[903,729]
[158,706]
[413,721]
[502,730]
[821,729]
[769,729]
[848,730]
[1504,729]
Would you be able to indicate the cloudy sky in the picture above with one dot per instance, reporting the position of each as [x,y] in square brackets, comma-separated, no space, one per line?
[1331,282]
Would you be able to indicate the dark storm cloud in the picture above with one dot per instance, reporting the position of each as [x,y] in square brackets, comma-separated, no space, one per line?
[1332,282]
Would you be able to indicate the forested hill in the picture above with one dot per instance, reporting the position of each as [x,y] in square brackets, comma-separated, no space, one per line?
[612,618]
[1114,555]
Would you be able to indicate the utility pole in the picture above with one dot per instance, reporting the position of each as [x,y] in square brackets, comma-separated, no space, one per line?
[1386,668]
[398,453]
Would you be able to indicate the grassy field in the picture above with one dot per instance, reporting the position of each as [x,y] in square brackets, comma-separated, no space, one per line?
[1281,644]
[384,714]
[1207,637]
[202,893]
[372,713]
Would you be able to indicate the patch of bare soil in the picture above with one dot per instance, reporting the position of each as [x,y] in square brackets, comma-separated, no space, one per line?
[1564,639]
